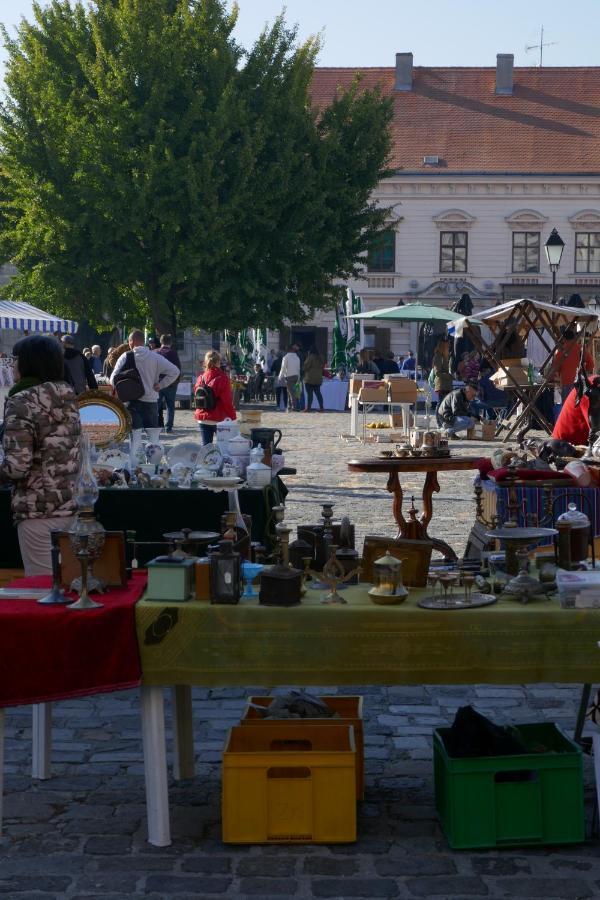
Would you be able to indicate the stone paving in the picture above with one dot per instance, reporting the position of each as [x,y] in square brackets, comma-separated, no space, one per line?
[83,833]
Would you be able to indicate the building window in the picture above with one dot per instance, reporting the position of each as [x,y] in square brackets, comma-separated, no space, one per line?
[382,254]
[453,251]
[526,251]
[587,251]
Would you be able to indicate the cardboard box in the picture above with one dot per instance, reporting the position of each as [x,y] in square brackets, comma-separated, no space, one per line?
[373,394]
[356,382]
[501,379]
[482,431]
[403,390]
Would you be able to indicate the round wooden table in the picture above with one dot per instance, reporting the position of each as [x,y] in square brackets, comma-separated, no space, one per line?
[416,527]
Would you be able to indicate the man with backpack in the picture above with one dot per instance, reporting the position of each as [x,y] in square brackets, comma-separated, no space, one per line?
[212,397]
[137,378]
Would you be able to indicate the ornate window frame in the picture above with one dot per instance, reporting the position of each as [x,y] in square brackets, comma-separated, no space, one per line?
[526,220]
[454,220]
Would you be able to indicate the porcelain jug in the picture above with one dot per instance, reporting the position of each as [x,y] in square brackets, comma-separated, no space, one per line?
[226,430]
[238,448]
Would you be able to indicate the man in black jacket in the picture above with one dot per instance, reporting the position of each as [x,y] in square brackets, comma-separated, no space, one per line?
[78,369]
[454,413]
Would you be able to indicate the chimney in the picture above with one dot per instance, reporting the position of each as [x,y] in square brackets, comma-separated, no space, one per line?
[404,67]
[504,73]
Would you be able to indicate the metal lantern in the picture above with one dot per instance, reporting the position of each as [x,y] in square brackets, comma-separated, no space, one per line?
[387,577]
[225,574]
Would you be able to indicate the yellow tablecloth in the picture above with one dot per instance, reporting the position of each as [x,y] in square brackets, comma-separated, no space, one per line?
[361,643]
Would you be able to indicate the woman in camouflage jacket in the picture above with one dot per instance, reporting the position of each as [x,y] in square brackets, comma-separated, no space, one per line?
[41,445]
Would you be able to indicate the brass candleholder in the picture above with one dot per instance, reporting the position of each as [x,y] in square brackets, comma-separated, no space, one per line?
[332,576]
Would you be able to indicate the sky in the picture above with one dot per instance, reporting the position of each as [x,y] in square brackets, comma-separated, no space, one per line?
[438,32]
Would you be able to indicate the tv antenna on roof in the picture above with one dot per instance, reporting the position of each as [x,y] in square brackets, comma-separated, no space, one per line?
[540,46]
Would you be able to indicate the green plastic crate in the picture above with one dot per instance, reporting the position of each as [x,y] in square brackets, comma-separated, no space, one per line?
[480,806]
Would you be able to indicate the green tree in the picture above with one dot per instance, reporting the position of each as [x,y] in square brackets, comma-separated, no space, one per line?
[151,168]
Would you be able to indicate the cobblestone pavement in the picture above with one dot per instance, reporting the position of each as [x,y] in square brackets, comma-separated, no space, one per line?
[82,833]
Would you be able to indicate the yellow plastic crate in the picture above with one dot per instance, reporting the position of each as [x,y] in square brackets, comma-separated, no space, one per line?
[349,711]
[284,784]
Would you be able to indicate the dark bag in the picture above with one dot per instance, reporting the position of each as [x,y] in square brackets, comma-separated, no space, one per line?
[128,382]
[205,397]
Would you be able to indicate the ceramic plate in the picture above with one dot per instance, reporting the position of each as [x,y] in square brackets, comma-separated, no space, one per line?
[187,453]
[114,459]
[223,483]
[210,456]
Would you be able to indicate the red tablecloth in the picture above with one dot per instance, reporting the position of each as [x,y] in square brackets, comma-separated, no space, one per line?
[51,653]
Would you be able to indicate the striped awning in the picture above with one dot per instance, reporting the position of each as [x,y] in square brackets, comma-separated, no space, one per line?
[24,317]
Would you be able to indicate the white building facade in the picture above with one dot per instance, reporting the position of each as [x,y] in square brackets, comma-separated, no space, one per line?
[456,228]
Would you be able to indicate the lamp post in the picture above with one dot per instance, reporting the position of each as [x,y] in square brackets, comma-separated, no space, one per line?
[554,247]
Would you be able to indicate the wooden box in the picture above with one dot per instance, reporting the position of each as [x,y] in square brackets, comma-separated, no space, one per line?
[110,565]
[415,556]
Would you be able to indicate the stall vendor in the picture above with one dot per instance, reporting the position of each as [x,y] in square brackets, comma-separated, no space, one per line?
[455,413]
[573,422]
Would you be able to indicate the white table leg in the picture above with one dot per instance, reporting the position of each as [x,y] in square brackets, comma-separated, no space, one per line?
[41,739]
[155,766]
[354,416]
[1,763]
[183,732]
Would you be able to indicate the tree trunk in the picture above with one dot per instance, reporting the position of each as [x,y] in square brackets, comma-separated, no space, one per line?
[160,314]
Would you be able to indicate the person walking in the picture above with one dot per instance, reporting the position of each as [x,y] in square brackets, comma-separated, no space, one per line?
[440,365]
[214,387]
[279,382]
[290,370]
[313,378]
[155,372]
[167,395]
[42,452]
[111,358]
[96,359]
[77,369]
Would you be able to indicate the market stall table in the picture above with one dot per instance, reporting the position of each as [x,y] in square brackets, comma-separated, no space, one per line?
[52,653]
[151,513]
[334,393]
[394,468]
[183,644]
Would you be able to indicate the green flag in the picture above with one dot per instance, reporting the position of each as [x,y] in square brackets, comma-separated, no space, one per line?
[340,338]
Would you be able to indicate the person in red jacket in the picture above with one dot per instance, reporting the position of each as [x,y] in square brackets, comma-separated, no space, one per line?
[573,423]
[215,378]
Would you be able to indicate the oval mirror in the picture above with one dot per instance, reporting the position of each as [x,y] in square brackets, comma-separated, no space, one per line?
[103,418]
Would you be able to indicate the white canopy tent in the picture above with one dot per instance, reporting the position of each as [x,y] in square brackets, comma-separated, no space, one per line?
[25,317]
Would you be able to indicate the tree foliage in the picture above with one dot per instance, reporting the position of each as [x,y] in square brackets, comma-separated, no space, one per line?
[151,168]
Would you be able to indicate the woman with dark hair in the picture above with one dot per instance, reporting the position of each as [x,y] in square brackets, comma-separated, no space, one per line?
[313,378]
[41,444]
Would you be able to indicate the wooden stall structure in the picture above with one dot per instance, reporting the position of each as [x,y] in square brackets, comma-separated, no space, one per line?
[508,326]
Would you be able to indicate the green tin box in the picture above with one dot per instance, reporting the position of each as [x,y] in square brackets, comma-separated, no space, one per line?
[170,579]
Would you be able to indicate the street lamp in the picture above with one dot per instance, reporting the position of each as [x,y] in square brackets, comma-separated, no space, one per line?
[554,247]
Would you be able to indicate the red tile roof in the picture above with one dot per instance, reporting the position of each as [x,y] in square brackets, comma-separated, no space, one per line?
[550,124]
